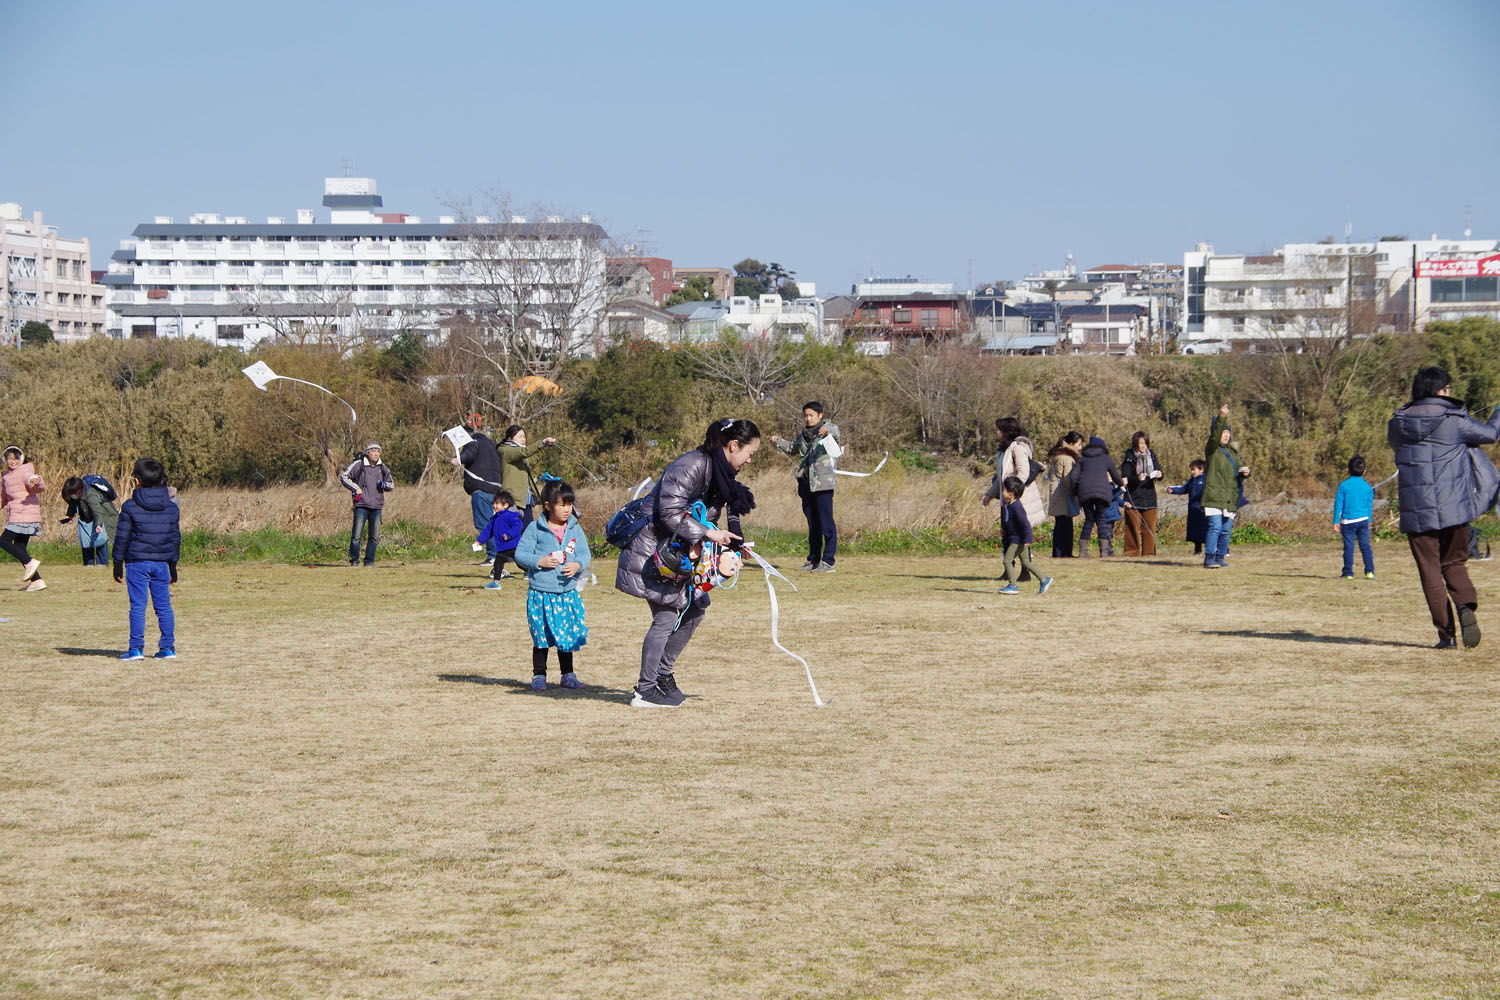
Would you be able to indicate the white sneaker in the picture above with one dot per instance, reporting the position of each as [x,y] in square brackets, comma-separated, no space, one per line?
[29,570]
[36,585]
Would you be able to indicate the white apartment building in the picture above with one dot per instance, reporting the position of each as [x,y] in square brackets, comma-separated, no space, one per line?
[362,272]
[1304,291]
[45,277]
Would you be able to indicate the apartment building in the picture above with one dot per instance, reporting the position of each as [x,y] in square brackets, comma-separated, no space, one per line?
[363,272]
[45,277]
[1307,291]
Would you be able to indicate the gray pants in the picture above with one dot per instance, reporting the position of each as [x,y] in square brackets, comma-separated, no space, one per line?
[662,645]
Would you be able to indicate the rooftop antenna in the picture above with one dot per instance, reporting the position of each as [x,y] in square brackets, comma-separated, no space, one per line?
[348,166]
[1468,221]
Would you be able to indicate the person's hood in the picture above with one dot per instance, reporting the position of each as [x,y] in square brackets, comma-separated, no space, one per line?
[152,498]
[1096,447]
[1418,420]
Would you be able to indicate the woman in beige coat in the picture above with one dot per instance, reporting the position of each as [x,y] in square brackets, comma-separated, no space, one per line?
[1061,505]
[1014,459]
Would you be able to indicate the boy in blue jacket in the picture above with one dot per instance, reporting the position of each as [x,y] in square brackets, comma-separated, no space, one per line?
[1016,536]
[147,545]
[1352,506]
[502,534]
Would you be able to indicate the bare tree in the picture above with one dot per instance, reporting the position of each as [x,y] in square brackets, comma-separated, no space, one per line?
[931,376]
[533,294]
[760,367]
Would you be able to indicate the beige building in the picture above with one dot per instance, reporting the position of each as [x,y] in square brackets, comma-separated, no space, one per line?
[45,277]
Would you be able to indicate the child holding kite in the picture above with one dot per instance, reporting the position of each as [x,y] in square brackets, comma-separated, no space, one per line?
[554,553]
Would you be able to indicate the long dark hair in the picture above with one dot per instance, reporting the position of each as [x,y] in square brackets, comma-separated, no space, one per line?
[721,432]
[512,431]
[1010,428]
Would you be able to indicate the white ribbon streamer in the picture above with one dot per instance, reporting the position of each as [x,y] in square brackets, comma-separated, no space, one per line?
[261,374]
[776,619]
[872,472]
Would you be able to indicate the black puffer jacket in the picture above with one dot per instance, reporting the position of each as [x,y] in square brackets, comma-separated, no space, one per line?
[1094,474]
[1440,481]
[684,481]
[482,460]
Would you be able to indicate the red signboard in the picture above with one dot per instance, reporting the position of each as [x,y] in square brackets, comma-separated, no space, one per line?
[1473,267]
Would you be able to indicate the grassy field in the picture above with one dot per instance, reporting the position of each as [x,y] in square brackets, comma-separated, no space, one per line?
[1154,781]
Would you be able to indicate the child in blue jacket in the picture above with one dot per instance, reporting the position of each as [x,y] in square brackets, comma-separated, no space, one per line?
[147,545]
[554,553]
[1353,505]
[1197,521]
[503,533]
[1016,536]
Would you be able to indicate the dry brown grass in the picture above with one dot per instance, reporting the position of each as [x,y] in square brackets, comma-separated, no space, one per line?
[1155,781]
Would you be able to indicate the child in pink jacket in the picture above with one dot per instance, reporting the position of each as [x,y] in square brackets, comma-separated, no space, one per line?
[19,489]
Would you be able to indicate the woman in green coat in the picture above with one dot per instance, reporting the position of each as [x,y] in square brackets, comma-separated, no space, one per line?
[515,471]
[98,518]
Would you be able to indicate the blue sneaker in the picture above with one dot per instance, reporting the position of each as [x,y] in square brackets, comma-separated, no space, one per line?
[1046,585]
[538,682]
[165,654]
[571,682]
[1010,588]
[132,654]
[492,585]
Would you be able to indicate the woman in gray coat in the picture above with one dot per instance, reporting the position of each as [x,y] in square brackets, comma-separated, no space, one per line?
[1444,481]
[707,474]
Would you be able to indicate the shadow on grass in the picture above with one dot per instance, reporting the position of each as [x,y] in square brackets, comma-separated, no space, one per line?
[952,579]
[515,686]
[1298,635]
[80,651]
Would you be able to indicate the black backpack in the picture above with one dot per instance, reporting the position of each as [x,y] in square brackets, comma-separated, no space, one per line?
[1035,470]
[630,520]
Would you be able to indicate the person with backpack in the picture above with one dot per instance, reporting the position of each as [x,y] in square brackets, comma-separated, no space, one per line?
[1017,457]
[706,476]
[91,501]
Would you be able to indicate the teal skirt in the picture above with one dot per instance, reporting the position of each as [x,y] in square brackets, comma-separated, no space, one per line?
[556,620]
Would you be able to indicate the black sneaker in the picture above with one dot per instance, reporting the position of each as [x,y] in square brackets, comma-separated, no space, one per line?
[667,685]
[1446,642]
[651,698]
[1468,626]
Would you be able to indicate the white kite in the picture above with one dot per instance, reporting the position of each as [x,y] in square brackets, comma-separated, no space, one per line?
[863,474]
[261,374]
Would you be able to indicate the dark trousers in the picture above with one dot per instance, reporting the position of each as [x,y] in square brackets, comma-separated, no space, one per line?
[1062,537]
[1442,564]
[1358,532]
[1093,515]
[666,639]
[364,519]
[501,558]
[14,543]
[822,533]
[482,506]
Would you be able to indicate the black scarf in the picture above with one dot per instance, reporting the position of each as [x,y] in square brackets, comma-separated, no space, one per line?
[724,490]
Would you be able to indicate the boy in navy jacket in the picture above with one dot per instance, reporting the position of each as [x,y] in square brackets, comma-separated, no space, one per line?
[1016,535]
[1352,506]
[147,545]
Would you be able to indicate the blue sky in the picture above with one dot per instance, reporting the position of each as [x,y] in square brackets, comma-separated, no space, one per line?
[941,139]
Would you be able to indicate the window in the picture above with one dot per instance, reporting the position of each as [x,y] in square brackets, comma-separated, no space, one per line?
[929,317]
[1480,290]
[900,315]
[1447,289]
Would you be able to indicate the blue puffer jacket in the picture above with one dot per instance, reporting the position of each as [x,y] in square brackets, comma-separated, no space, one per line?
[148,528]
[1441,482]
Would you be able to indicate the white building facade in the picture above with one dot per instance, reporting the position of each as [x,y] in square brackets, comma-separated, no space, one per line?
[364,272]
[45,277]
[1304,291]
